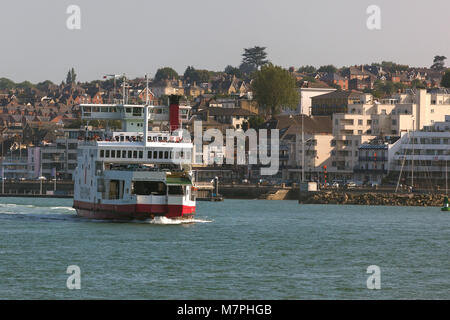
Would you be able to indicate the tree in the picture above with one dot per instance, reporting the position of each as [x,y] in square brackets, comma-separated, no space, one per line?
[196,75]
[255,121]
[307,69]
[6,84]
[328,69]
[247,69]
[445,82]
[390,66]
[165,73]
[274,87]
[71,76]
[416,83]
[255,56]
[233,71]
[438,63]
[44,85]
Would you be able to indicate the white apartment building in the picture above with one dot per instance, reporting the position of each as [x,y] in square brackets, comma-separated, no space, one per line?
[420,158]
[392,117]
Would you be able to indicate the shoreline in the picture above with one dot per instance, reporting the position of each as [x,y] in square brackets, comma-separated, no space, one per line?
[336,197]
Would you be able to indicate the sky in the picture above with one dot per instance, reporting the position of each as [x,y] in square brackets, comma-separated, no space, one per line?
[136,37]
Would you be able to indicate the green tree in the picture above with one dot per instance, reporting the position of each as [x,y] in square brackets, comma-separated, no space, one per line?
[247,69]
[196,75]
[255,121]
[274,87]
[416,83]
[328,69]
[44,85]
[71,76]
[438,63]
[165,73]
[255,56]
[445,82]
[233,71]
[6,84]
[307,69]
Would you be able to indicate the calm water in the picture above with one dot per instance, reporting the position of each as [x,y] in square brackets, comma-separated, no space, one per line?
[239,250]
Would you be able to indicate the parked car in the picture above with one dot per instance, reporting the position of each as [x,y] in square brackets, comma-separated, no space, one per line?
[41,178]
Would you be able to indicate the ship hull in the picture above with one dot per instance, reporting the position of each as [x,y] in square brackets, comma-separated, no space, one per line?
[127,212]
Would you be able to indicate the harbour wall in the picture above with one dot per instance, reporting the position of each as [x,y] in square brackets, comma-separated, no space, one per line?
[254,191]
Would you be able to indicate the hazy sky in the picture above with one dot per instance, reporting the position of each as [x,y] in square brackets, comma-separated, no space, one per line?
[138,36]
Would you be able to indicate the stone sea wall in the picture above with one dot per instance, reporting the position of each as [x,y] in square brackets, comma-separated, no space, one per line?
[372,198]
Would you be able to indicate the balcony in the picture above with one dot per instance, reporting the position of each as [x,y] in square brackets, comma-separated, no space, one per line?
[362,158]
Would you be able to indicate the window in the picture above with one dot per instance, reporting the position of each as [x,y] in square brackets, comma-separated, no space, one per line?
[124,154]
[149,154]
[166,154]
[102,153]
[141,154]
[118,153]
[175,190]
[135,154]
[161,155]
[157,188]
[155,154]
[113,153]
[129,154]
[360,122]
[107,154]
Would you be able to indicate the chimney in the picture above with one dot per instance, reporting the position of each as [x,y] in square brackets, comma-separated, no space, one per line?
[174,112]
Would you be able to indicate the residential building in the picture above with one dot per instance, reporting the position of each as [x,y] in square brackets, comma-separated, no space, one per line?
[305,99]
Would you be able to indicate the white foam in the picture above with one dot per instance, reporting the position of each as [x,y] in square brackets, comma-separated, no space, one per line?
[167,221]
[64,208]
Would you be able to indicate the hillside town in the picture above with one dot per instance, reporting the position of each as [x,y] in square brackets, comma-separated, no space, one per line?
[362,124]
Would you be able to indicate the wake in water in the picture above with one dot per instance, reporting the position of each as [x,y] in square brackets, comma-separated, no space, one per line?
[65,213]
[167,221]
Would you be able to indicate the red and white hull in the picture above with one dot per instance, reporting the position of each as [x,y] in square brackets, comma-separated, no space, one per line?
[132,211]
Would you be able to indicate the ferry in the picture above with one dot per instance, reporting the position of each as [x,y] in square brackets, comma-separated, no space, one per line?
[139,173]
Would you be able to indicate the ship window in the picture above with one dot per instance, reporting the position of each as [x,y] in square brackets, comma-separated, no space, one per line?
[124,153]
[175,190]
[166,154]
[118,153]
[135,154]
[155,154]
[107,154]
[160,154]
[141,154]
[181,154]
[113,153]
[102,153]
[149,154]
[146,188]
[129,154]
[171,154]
